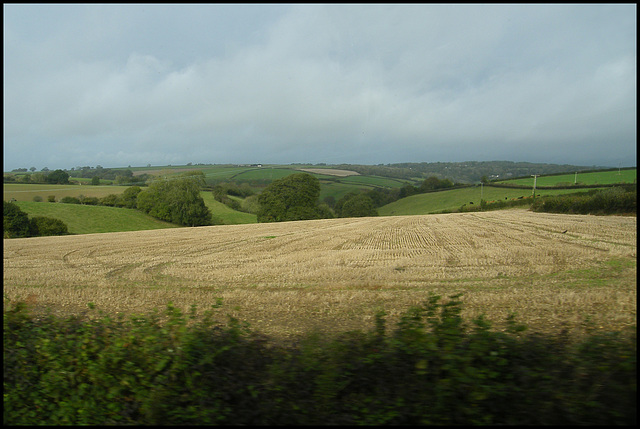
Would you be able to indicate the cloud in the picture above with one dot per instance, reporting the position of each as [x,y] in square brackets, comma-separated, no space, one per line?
[119,85]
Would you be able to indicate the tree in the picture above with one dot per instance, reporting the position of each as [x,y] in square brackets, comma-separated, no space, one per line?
[111,200]
[340,203]
[129,197]
[358,206]
[294,197]
[45,226]
[95,180]
[15,222]
[176,201]
[433,183]
[60,177]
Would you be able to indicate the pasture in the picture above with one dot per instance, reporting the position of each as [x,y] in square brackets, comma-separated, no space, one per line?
[83,219]
[591,178]
[26,192]
[285,279]
[448,200]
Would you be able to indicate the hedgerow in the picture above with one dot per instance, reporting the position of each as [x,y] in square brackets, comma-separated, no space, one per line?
[614,200]
[432,368]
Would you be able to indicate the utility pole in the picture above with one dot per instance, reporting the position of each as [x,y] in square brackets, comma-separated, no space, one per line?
[575,180]
[535,177]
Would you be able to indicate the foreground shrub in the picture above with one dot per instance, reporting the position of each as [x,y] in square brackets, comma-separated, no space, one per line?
[432,368]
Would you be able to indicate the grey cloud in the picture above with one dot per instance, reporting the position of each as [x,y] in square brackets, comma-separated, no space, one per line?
[316,83]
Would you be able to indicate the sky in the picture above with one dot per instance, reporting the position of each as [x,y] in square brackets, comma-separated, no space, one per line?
[122,85]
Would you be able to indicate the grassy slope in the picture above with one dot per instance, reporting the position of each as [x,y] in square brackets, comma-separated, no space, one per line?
[436,202]
[226,214]
[82,219]
[594,178]
[450,200]
[26,192]
[91,219]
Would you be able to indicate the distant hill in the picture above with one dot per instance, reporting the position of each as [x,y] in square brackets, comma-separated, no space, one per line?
[465,172]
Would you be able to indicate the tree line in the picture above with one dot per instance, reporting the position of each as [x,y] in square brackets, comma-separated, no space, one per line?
[463,172]
[56,177]
[61,177]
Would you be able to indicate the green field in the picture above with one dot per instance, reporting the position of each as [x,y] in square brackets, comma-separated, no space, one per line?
[437,202]
[26,192]
[382,182]
[84,219]
[226,214]
[338,190]
[269,173]
[81,219]
[592,178]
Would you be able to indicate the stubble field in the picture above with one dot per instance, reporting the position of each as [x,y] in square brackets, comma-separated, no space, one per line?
[554,271]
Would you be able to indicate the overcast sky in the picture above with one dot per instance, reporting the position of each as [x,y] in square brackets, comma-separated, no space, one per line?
[118,85]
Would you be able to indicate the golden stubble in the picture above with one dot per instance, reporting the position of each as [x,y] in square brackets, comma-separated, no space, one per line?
[553,271]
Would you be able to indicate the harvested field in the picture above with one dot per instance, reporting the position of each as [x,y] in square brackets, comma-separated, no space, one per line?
[333,275]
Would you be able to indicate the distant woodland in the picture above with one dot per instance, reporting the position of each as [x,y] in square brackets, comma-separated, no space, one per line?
[465,172]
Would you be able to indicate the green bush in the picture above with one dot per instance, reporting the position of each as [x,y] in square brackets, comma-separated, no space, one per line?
[177,201]
[294,197]
[15,222]
[111,200]
[70,200]
[89,201]
[45,226]
[432,368]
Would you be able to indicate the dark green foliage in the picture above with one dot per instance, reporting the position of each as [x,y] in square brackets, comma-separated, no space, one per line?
[15,222]
[58,177]
[355,205]
[432,369]
[612,200]
[70,200]
[433,183]
[95,180]
[111,200]
[129,198]
[120,176]
[89,201]
[223,190]
[294,197]
[44,226]
[177,201]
